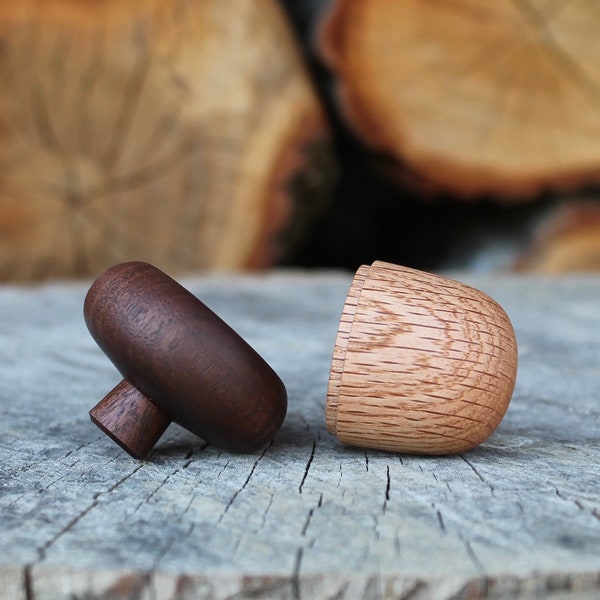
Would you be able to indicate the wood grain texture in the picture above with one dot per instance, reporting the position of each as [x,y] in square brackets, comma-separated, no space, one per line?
[130,419]
[183,133]
[309,518]
[182,357]
[422,364]
[472,98]
[341,344]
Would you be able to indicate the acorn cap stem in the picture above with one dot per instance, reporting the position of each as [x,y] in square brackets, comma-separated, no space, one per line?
[130,419]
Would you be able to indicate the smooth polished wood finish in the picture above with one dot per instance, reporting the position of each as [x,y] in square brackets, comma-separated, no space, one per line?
[422,364]
[185,363]
[130,419]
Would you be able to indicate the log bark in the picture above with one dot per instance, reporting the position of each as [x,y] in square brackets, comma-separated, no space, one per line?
[472,98]
[184,133]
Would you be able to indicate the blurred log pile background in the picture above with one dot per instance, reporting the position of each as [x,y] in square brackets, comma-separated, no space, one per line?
[181,132]
[237,134]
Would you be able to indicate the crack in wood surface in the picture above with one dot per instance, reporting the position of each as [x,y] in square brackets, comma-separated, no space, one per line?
[296,593]
[479,475]
[594,512]
[232,499]
[307,468]
[438,513]
[42,550]
[365,522]
[28,583]
[173,473]
[388,485]
[474,558]
[310,514]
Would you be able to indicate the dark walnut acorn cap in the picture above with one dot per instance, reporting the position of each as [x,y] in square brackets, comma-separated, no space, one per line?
[180,362]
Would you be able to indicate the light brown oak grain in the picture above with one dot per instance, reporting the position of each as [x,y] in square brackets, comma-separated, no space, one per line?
[422,364]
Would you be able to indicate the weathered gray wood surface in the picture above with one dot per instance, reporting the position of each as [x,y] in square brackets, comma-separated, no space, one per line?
[518,517]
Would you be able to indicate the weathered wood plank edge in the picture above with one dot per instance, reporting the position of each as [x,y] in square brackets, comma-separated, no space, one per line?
[42,582]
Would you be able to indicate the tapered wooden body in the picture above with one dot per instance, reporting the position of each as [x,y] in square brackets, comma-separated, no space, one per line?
[186,364]
[422,364]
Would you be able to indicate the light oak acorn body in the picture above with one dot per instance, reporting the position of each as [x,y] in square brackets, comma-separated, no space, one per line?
[422,364]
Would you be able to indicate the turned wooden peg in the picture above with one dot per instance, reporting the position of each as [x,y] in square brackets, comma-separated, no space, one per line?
[180,362]
[422,364]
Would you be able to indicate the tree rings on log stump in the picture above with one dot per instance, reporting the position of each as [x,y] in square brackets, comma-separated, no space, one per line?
[474,98]
[165,131]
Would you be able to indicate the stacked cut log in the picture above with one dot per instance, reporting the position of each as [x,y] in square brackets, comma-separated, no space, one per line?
[181,132]
[187,132]
[566,240]
[473,99]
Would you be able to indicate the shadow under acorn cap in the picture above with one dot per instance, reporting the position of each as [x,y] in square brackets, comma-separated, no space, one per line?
[180,362]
